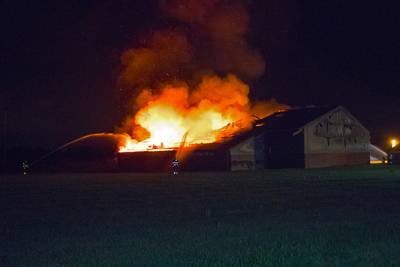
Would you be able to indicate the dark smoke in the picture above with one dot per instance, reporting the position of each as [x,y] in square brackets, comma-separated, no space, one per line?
[224,25]
[210,37]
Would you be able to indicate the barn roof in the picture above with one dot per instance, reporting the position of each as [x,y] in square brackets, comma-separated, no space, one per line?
[288,120]
[293,118]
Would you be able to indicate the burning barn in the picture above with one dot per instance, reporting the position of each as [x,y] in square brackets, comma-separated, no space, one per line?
[309,137]
[188,99]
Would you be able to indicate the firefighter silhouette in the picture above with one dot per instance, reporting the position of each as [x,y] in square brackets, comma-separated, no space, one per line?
[25,167]
[175,166]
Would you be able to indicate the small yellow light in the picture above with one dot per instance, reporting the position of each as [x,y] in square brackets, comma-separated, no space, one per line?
[394,142]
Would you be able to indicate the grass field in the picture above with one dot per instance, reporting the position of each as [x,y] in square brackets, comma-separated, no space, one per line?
[326,217]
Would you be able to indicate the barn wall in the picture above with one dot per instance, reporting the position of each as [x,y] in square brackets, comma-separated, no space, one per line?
[336,138]
[284,149]
[146,161]
[242,155]
[338,131]
[259,150]
[161,161]
[207,160]
[321,160]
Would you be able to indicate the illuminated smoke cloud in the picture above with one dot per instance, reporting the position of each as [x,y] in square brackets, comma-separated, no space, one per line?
[164,56]
[186,80]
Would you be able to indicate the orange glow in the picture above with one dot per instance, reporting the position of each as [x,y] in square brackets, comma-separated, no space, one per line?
[217,107]
[394,142]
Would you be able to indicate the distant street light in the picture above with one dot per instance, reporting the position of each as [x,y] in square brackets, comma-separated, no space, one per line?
[394,142]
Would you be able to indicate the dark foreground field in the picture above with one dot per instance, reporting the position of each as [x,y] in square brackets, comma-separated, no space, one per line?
[331,217]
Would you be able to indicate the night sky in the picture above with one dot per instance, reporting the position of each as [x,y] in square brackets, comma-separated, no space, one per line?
[60,62]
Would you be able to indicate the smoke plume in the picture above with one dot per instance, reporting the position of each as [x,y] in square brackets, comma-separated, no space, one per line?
[212,38]
[187,80]
[224,25]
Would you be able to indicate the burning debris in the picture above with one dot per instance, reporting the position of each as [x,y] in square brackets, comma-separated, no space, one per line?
[172,77]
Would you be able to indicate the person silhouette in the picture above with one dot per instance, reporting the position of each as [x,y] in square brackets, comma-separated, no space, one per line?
[175,166]
[25,167]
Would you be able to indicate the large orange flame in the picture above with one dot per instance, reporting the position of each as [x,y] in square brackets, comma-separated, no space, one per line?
[216,107]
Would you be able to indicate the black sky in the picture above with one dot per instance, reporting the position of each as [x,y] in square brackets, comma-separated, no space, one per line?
[60,61]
